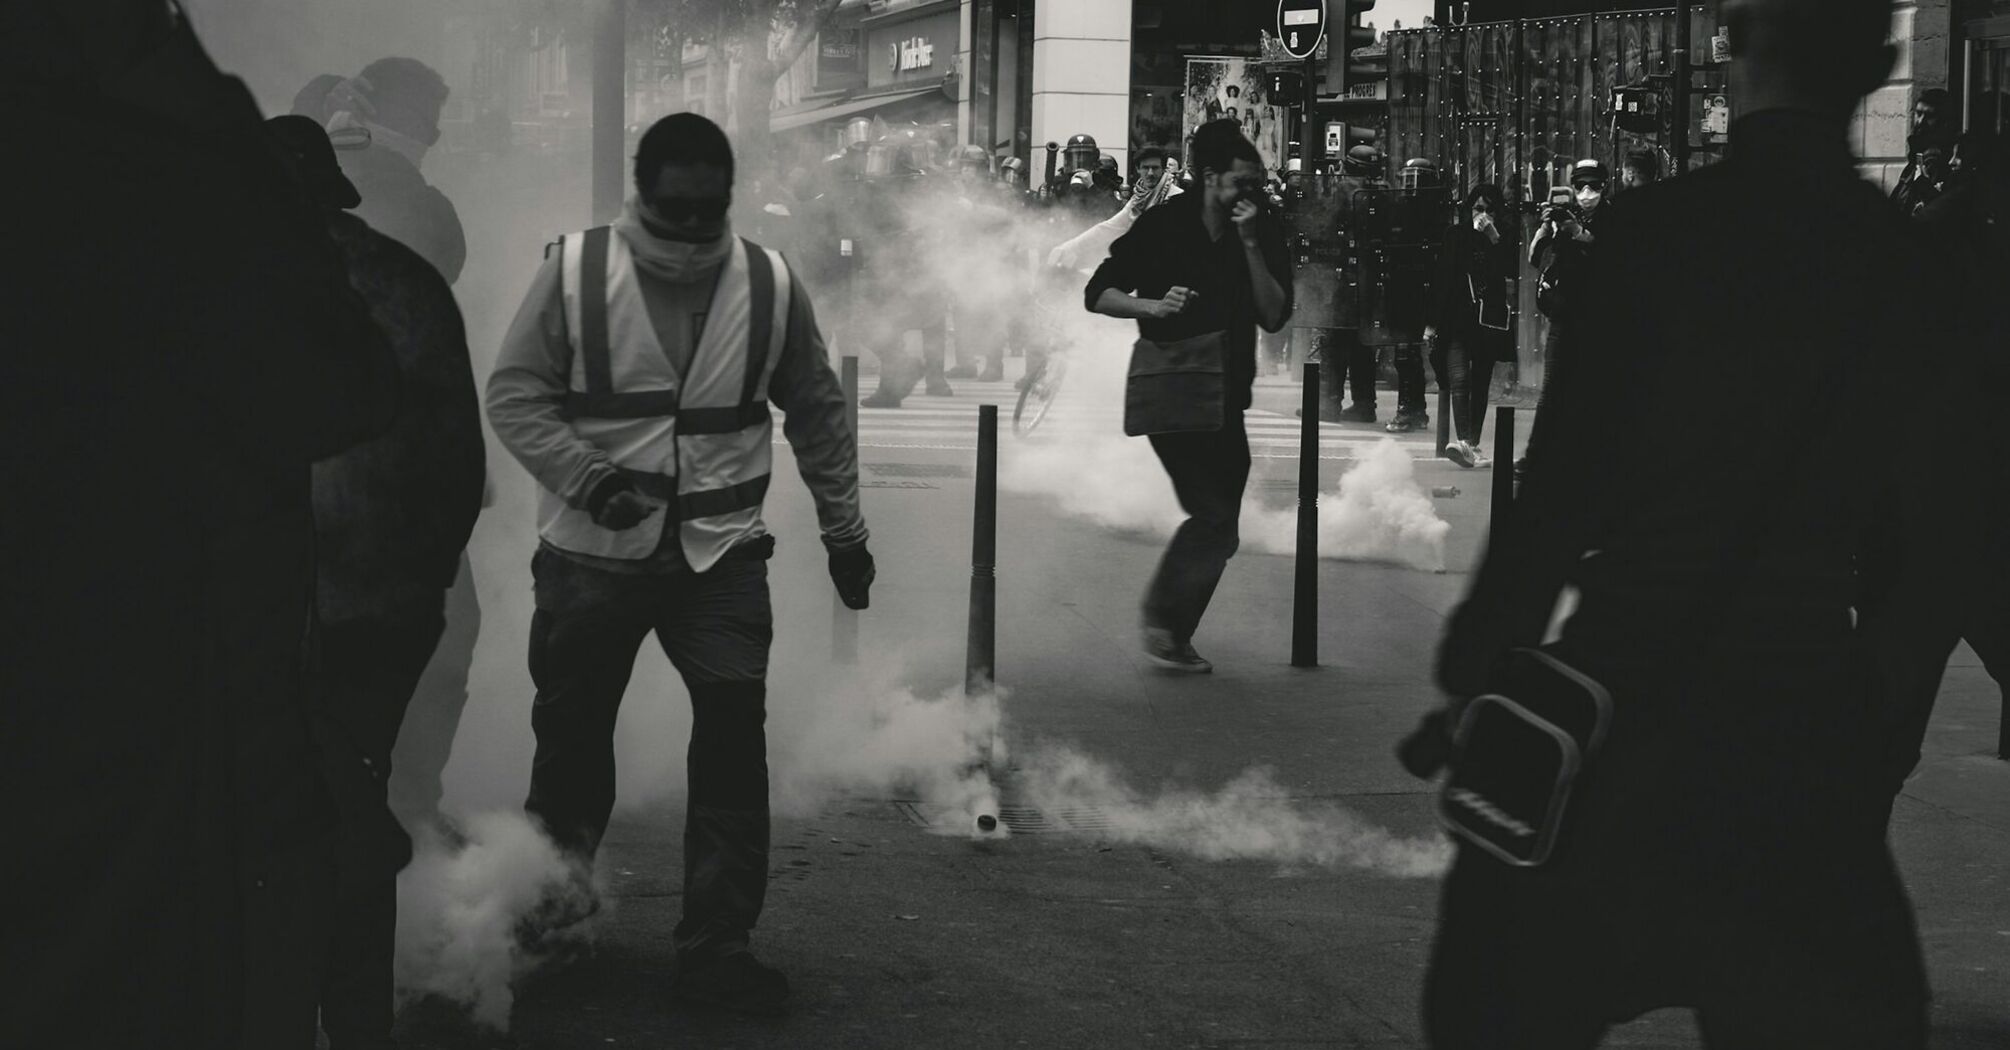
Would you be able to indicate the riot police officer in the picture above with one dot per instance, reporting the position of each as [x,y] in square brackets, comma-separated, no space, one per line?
[905,293]
[1355,208]
[1421,217]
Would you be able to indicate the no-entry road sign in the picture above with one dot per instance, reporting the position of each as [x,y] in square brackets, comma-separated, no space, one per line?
[1301,24]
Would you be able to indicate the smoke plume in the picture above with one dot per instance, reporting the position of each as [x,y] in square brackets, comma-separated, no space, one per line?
[1080,458]
[1250,818]
[460,906]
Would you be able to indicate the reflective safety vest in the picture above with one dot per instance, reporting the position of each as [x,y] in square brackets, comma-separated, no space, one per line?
[699,442]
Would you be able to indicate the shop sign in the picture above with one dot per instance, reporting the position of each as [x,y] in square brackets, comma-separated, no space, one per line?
[913,53]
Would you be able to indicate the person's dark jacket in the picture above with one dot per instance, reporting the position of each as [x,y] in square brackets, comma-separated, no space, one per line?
[1168,247]
[180,344]
[393,515]
[1561,264]
[1717,565]
[399,203]
[1470,288]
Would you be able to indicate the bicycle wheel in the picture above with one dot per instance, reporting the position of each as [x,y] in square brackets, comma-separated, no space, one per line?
[1041,388]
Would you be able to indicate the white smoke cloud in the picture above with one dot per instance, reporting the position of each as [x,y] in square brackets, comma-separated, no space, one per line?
[868,737]
[1250,818]
[459,906]
[1379,512]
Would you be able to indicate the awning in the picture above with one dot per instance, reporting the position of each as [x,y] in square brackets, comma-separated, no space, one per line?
[840,110]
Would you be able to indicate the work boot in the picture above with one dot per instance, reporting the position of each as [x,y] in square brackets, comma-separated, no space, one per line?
[561,912]
[1166,653]
[731,980]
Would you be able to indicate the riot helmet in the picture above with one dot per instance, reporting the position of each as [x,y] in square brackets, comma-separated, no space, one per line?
[1364,161]
[858,133]
[1012,170]
[1419,173]
[1591,170]
[972,160]
[1080,154]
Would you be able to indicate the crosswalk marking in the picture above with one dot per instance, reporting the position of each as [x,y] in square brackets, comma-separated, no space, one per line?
[950,424]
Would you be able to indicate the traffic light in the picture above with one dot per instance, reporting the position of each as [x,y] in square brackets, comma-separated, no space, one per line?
[1285,88]
[1365,63]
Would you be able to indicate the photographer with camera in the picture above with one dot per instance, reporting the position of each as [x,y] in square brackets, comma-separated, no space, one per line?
[1561,251]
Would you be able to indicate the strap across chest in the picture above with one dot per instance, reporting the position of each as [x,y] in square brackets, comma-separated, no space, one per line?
[601,401]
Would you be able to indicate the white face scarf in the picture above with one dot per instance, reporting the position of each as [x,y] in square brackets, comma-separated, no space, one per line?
[679,262]
[396,141]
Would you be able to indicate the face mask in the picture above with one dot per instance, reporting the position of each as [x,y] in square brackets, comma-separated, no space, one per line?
[679,262]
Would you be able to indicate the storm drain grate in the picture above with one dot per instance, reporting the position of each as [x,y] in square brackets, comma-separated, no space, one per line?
[1019,820]
[919,470]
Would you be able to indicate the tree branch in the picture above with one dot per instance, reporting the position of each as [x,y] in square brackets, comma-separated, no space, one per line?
[808,23]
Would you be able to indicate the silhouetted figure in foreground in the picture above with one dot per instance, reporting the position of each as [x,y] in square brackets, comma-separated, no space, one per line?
[1726,849]
[181,343]
[392,518]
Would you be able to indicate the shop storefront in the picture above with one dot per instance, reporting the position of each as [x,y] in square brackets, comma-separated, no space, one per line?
[1984,58]
[896,67]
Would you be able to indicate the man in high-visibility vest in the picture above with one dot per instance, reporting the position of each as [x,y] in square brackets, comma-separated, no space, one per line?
[634,385]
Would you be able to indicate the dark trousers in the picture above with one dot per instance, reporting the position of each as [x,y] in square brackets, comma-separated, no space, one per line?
[1464,363]
[886,335]
[1506,974]
[1209,470]
[369,669]
[1411,384]
[1347,368]
[716,627]
[1724,851]
[426,738]
[1551,339]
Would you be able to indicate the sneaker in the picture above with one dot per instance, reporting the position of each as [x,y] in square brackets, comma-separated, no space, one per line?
[883,399]
[1406,422]
[731,980]
[1358,413]
[1461,453]
[941,388]
[1481,461]
[1166,654]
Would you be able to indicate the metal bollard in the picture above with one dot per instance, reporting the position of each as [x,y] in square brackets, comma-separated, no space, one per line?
[844,622]
[1503,473]
[1305,588]
[1445,411]
[980,661]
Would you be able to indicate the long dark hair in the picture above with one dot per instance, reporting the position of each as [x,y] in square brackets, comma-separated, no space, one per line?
[1486,191]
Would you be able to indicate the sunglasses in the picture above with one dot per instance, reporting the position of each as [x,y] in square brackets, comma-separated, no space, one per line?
[681,210]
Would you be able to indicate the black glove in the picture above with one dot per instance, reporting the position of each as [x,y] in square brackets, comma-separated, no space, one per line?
[852,571]
[616,505]
[1429,747]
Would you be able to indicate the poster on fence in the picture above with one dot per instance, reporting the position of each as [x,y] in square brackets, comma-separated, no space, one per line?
[1235,88]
